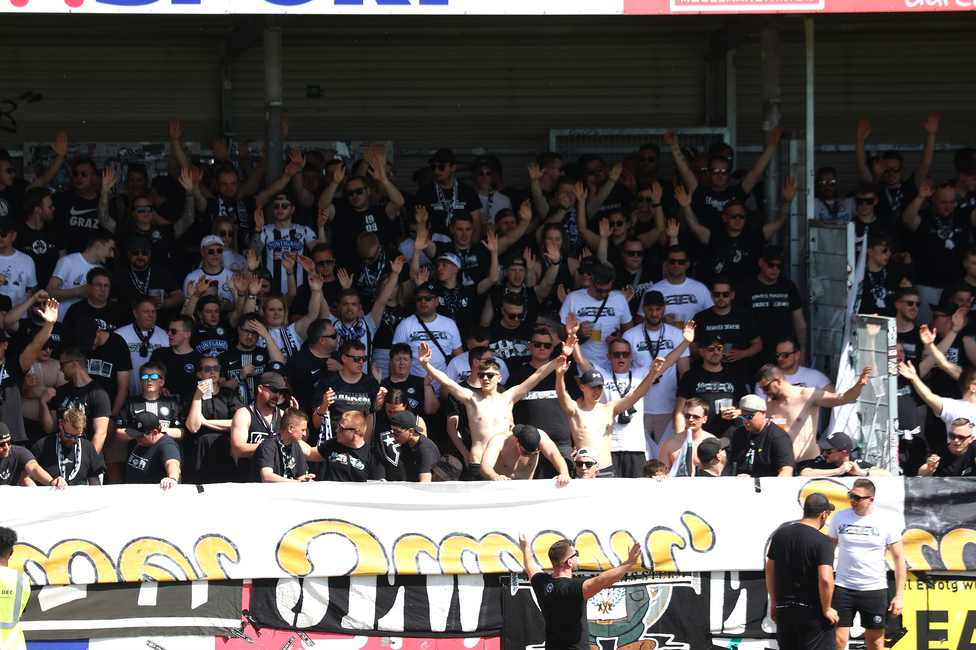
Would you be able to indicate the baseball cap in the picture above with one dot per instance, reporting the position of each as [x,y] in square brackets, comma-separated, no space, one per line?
[708,449]
[143,422]
[588,452]
[592,378]
[505,212]
[817,503]
[772,252]
[837,440]
[8,225]
[448,468]
[406,420]
[490,162]
[752,403]
[84,331]
[272,379]
[428,287]
[711,339]
[139,243]
[653,298]
[445,156]
[4,431]
[450,257]
[515,261]
[211,240]
[946,308]
[528,436]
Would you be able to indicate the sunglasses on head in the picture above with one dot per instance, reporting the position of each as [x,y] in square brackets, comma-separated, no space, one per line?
[712,348]
[585,464]
[722,294]
[355,192]
[541,344]
[487,375]
[154,376]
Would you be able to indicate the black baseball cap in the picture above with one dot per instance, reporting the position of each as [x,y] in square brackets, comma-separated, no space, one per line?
[654,298]
[445,156]
[592,378]
[708,449]
[837,440]
[817,503]
[772,252]
[528,436]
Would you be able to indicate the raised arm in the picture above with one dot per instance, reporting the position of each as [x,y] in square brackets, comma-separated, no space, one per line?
[789,191]
[520,391]
[656,370]
[750,179]
[910,217]
[590,238]
[593,206]
[491,244]
[291,169]
[328,196]
[683,198]
[60,147]
[50,315]
[860,157]
[538,198]
[652,236]
[688,176]
[593,586]
[524,219]
[548,279]
[528,559]
[377,165]
[387,291]
[188,179]
[176,144]
[931,125]
[829,400]
[566,402]
[460,394]
[108,182]
[907,370]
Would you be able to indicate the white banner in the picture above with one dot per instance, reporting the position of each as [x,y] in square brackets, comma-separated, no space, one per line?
[134,533]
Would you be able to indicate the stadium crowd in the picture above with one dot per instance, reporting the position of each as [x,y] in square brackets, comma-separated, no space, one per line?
[202,326]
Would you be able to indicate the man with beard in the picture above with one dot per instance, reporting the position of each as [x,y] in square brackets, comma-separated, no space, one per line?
[446,199]
[246,360]
[37,236]
[208,418]
[68,454]
[732,323]
[283,237]
[709,382]
[80,392]
[306,369]
[107,313]
[76,210]
[352,391]
[258,420]
[141,278]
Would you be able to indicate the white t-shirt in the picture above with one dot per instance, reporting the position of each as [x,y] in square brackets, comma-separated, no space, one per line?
[836,210]
[663,394]
[686,299]
[18,271]
[953,409]
[459,369]
[443,329]
[861,544]
[803,378]
[286,338]
[614,314]
[224,289]
[630,436]
[406,249]
[73,271]
[233,261]
[498,202]
[157,339]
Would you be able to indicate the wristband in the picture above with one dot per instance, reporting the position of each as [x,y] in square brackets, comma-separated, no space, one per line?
[317,412]
[290,272]
[251,296]
[655,205]
[53,480]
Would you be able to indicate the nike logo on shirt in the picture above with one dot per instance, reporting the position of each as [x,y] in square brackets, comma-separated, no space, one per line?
[75,213]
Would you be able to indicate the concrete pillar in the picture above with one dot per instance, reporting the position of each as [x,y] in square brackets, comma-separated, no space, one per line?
[771,112]
[272,102]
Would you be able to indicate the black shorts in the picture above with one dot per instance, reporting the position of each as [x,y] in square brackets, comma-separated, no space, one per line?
[804,628]
[628,464]
[873,606]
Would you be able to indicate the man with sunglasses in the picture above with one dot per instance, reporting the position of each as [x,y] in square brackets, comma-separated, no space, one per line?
[940,238]
[154,457]
[694,415]
[601,312]
[427,325]
[283,237]
[152,378]
[142,336]
[774,302]
[835,459]
[511,333]
[483,170]
[562,599]
[78,392]
[514,455]
[306,369]
[827,206]
[587,463]
[683,296]
[866,219]
[732,323]
[208,415]
[709,382]
[180,358]
[455,413]
[68,282]
[19,467]
[957,457]
[107,313]
[606,194]
[76,209]
[211,269]
[68,454]
[352,390]
[708,199]
[246,360]
[881,279]
[863,535]
[713,457]
[257,421]
[347,457]
[446,198]
[788,353]
[759,447]
[139,277]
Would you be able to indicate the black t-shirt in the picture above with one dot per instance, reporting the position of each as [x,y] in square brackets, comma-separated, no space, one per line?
[11,384]
[148,464]
[330,291]
[109,318]
[798,552]
[413,387]
[459,304]
[213,341]
[390,453]
[938,380]
[820,463]
[540,406]
[12,199]
[43,246]
[349,223]
[510,344]
[737,328]
[712,386]
[77,218]
[619,200]
[348,465]
[940,245]
[641,281]
[221,406]
[14,465]
[91,399]
[162,241]
[736,257]
[442,206]
[107,361]
[766,452]
[167,409]
[772,306]
[76,463]
[878,290]
[950,465]
[475,260]
[709,204]
[359,396]
[284,460]
[564,610]
[241,212]
[420,458]
[181,369]
[124,284]
[305,373]
[911,343]
[892,202]
[233,361]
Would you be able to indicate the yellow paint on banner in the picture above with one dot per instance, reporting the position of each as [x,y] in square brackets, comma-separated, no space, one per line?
[940,615]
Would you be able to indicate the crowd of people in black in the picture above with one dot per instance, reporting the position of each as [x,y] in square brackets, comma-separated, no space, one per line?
[205,326]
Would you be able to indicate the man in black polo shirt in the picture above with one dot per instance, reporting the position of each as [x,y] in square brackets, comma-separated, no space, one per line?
[562,598]
[759,447]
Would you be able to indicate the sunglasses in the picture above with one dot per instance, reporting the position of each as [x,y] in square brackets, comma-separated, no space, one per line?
[516,316]
[601,292]
[144,208]
[355,192]
[327,262]
[677,262]
[356,358]
[645,199]
[722,294]
[487,375]
[541,344]
[173,330]
[330,336]
[957,437]
[271,389]
[701,170]
[5,443]
[284,205]
[855,498]
[783,355]
[210,369]
[214,251]
[720,172]
[617,224]
[833,182]
[139,253]
[154,376]
[747,417]
[71,436]
[341,429]
[634,253]
[225,233]
[765,388]
[594,171]
[620,355]
[892,170]
[829,451]
[736,215]
[439,168]
[775,265]
[425,298]
[647,158]
[911,303]
[585,464]
[484,172]
[688,416]
[864,201]
[712,348]
[83,174]
[576,554]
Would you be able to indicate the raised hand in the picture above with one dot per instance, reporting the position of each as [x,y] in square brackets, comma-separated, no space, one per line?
[421,276]
[220,149]
[108,179]
[491,243]
[681,196]
[959,319]
[907,370]
[423,353]
[293,168]
[673,228]
[789,190]
[535,172]
[288,261]
[202,285]
[196,174]
[633,555]
[689,332]
[562,366]
[581,192]
[378,376]
[175,130]
[525,211]
[863,128]
[553,252]
[60,144]
[927,189]
[258,218]
[315,282]
[931,123]
[307,264]
[423,239]
[572,324]
[863,379]
[397,265]
[656,192]
[420,214]
[345,280]
[253,261]
[323,218]
[253,284]
[926,335]
[776,134]
[295,156]
[657,366]
[186,179]
[616,171]
[285,127]
[604,228]
[339,174]
[568,345]
[49,311]
[628,292]
[671,138]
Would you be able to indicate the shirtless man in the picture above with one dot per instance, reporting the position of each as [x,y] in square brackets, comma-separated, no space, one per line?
[592,422]
[489,412]
[44,374]
[515,454]
[695,413]
[798,406]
